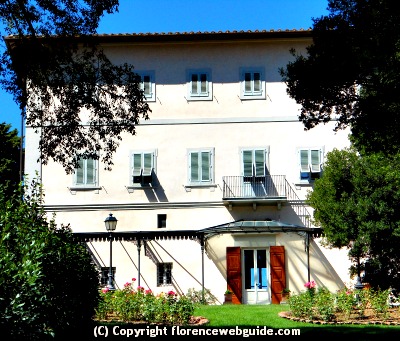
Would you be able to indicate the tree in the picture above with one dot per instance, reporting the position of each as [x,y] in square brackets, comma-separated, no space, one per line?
[53,66]
[49,284]
[352,71]
[356,204]
[9,157]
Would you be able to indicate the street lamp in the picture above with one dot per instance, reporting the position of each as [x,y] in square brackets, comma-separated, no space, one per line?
[111,225]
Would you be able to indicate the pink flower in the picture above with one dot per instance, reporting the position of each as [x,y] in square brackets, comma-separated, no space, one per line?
[171,293]
[104,290]
[133,279]
[148,292]
[140,288]
[310,285]
[127,284]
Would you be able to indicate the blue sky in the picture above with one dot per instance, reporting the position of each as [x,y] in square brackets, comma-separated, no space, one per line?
[157,16]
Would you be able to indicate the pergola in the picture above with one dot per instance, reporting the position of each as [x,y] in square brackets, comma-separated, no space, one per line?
[235,227]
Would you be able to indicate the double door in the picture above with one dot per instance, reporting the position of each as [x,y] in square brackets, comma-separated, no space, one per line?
[256,280]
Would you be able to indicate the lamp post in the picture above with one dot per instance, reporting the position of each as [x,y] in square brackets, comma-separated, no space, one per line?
[111,225]
[358,284]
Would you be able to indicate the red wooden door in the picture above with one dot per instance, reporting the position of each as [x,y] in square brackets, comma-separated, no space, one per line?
[278,275]
[234,273]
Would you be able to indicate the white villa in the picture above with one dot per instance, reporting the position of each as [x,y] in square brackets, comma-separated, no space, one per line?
[210,192]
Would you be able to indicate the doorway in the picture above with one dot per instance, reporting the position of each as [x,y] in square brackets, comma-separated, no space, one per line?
[256,280]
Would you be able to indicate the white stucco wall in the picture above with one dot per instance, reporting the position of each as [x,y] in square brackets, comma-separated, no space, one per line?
[226,124]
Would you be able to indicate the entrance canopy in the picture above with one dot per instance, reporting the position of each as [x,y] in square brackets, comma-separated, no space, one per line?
[259,226]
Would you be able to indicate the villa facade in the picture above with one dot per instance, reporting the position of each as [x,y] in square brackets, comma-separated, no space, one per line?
[210,191]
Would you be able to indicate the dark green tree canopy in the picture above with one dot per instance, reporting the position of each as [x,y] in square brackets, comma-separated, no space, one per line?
[49,281]
[351,72]
[55,68]
[356,204]
[9,157]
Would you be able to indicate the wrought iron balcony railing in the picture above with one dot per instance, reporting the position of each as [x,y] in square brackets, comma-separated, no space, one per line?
[246,187]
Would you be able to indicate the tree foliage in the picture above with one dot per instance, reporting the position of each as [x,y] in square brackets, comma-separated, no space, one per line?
[351,72]
[356,204]
[9,157]
[48,280]
[77,99]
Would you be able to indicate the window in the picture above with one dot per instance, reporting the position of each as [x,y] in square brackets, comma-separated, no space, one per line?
[164,274]
[252,83]
[86,173]
[310,164]
[200,166]
[104,275]
[147,85]
[199,85]
[161,221]
[142,168]
[254,162]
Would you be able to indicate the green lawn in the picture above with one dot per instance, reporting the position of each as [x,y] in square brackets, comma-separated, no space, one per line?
[247,316]
[240,319]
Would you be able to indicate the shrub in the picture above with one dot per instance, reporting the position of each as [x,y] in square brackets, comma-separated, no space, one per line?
[196,296]
[345,302]
[301,305]
[325,304]
[49,283]
[379,302]
[322,304]
[132,304]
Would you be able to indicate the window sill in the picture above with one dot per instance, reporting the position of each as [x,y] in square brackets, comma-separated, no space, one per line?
[251,97]
[212,187]
[304,183]
[74,189]
[131,188]
[199,98]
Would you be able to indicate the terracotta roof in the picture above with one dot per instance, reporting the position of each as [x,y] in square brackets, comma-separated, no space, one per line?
[196,36]
[206,35]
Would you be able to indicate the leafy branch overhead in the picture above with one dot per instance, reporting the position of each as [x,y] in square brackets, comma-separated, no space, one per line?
[350,72]
[77,99]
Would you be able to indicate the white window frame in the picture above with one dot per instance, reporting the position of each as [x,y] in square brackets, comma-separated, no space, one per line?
[310,168]
[140,177]
[248,89]
[83,167]
[201,180]
[149,95]
[255,167]
[199,95]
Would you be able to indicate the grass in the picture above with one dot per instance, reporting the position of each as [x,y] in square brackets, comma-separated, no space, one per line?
[246,316]
[253,318]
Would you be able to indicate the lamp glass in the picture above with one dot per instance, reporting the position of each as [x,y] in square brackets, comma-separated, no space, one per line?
[111,223]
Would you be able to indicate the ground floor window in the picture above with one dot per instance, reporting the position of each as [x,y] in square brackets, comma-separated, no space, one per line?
[104,275]
[164,274]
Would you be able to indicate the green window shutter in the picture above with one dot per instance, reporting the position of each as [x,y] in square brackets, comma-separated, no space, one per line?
[147,85]
[247,162]
[257,82]
[194,83]
[80,173]
[205,166]
[315,161]
[247,82]
[203,83]
[259,157]
[304,165]
[194,167]
[137,164]
[90,171]
[147,163]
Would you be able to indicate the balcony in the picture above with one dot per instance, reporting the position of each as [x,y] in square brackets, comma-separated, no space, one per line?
[266,190]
